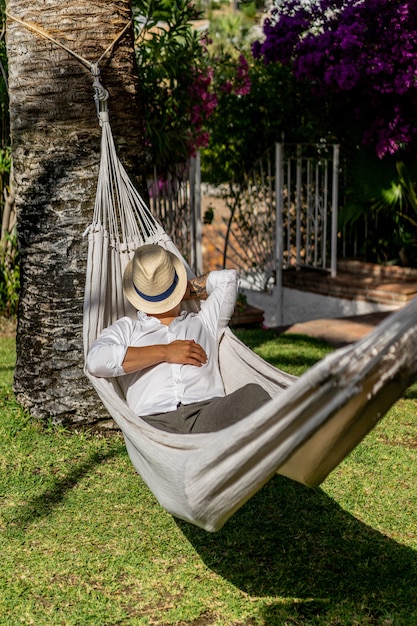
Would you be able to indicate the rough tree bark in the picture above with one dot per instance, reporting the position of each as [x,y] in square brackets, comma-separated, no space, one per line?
[55,147]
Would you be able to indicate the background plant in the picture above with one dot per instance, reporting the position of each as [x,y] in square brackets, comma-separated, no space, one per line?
[9,258]
[9,265]
[383,192]
[9,275]
[175,79]
[357,59]
[257,103]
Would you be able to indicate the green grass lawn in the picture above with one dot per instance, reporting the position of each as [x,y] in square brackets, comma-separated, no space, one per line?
[83,541]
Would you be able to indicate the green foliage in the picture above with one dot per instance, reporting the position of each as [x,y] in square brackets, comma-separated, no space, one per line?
[249,9]
[407,182]
[382,191]
[5,161]
[247,121]
[9,266]
[244,126]
[9,262]
[376,182]
[195,95]
[9,276]
[229,33]
[173,64]
[5,169]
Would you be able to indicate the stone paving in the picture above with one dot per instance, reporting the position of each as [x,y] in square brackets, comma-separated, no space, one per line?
[338,331]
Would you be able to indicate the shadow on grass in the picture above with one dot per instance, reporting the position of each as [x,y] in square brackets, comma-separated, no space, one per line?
[295,542]
[44,504]
[411,392]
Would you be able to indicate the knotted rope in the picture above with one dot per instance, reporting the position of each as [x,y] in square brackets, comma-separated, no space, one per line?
[101,95]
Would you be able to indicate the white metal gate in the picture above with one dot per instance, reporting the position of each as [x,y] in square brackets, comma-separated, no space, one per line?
[285,215]
[306,192]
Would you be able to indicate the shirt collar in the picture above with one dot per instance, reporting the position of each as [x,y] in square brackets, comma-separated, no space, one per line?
[143,317]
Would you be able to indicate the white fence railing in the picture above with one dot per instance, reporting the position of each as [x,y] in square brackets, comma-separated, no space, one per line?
[307,205]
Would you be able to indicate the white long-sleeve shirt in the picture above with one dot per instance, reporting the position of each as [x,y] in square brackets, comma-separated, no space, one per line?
[160,388]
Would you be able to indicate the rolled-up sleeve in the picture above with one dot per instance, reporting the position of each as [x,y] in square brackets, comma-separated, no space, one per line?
[222,287]
[107,353]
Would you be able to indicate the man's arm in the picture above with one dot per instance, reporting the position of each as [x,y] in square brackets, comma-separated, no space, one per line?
[111,355]
[183,352]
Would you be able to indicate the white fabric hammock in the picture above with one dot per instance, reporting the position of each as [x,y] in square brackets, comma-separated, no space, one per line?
[307,428]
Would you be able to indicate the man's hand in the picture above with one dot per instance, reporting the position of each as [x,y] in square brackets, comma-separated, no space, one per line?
[186,352]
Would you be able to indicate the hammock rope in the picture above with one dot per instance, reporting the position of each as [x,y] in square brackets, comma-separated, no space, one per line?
[92,66]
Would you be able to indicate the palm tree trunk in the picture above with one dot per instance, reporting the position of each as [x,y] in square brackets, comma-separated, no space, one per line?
[55,147]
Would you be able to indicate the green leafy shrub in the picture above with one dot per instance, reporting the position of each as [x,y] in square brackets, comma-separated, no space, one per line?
[175,80]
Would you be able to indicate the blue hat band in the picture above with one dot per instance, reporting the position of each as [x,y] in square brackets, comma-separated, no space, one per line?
[160,297]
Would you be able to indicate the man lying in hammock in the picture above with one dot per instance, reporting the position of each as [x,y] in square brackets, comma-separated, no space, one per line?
[168,358]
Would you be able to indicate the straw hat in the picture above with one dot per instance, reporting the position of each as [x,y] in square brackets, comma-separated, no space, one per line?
[155,280]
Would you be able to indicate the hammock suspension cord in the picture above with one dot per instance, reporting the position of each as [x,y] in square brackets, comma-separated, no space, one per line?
[100,94]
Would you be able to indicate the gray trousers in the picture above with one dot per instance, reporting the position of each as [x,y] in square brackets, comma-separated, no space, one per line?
[211,415]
